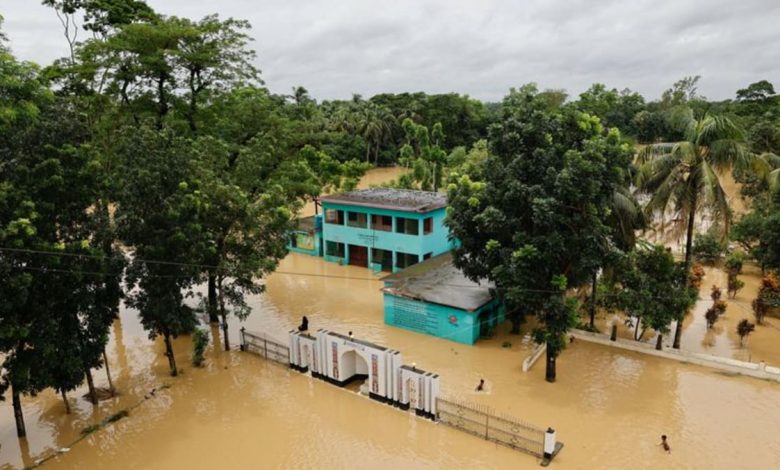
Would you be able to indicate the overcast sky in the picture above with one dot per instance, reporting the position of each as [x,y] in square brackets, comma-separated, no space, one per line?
[481,48]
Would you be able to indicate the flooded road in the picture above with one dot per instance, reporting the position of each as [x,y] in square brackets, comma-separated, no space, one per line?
[609,407]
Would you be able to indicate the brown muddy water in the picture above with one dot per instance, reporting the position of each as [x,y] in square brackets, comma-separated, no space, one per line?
[608,406]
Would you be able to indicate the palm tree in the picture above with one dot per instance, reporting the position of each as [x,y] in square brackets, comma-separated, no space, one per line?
[684,176]
[374,127]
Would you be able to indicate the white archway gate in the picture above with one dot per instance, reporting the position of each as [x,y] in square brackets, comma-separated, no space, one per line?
[335,358]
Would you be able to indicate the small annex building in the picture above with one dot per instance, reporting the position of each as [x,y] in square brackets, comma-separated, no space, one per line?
[436,298]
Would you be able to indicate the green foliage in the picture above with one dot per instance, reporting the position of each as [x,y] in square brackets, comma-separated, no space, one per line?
[744,328]
[200,339]
[653,289]
[708,248]
[768,298]
[533,220]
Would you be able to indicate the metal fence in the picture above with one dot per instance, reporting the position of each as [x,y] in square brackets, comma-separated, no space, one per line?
[482,421]
[265,347]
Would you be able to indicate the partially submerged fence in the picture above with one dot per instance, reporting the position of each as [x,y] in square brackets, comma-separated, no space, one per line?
[267,348]
[484,422]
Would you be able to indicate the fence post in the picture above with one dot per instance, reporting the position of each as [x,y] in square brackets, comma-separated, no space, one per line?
[265,346]
[487,426]
[243,339]
[549,443]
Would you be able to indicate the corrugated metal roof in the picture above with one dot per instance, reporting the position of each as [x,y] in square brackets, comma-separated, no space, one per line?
[437,280]
[407,200]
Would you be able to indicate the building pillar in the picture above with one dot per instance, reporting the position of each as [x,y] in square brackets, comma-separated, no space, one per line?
[346,253]
[395,260]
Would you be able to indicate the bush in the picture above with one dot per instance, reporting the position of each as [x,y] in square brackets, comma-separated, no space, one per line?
[734,285]
[744,328]
[715,293]
[200,339]
[734,262]
[695,277]
[707,248]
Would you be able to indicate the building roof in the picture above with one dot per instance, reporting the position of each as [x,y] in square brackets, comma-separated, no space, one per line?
[407,200]
[437,280]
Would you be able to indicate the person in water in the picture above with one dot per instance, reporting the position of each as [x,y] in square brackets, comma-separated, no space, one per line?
[665,444]
[304,324]
[481,385]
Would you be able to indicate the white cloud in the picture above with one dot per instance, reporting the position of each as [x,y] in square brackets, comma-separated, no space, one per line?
[480,48]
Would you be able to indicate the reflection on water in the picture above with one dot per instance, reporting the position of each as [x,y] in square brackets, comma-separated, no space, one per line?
[609,407]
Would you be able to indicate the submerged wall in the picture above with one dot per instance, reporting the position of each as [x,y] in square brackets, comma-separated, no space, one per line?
[435,320]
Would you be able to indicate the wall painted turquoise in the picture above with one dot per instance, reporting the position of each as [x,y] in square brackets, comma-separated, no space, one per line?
[436,242]
[436,320]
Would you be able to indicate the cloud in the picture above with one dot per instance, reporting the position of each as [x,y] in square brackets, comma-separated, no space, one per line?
[480,48]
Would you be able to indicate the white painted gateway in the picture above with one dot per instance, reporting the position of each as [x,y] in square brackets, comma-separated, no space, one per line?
[341,359]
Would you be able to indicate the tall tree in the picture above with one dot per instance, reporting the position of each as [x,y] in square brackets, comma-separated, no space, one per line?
[685,176]
[534,220]
[160,215]
[653,289]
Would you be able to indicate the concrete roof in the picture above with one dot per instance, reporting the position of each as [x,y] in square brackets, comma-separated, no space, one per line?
[407,200]
[437,280]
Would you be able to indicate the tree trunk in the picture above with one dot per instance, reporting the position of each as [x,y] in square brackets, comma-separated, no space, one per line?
[688,255]
[515,318]
[108,374]
[225,330]
[65,400]
[636,330]
[659,342]
[212,297]
[549,373]
[91,385]
[594,281]
[368,152]
[21,431]
[169,353]
[223,312]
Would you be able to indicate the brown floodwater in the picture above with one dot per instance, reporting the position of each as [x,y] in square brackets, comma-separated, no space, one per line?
[608,406]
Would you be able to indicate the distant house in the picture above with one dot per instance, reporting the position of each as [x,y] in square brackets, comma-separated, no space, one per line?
[384,229]
[436,298]
[306,238]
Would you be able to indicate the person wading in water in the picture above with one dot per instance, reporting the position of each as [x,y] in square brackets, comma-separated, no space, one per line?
[665,444]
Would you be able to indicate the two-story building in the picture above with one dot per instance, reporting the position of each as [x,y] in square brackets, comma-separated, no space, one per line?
[384,229]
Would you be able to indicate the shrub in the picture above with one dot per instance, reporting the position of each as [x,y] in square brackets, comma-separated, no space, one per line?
[707,248]
[200,339]
[768,297]
[744,328]
[695,277]
[715,293]
[734,262]
[734,285]
[711,316]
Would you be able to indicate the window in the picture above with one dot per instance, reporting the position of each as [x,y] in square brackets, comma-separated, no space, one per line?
[383,257]
[357,219]
[382,222]
[334,249]
[334,216]
[407,226]
[427,225]
[404,260]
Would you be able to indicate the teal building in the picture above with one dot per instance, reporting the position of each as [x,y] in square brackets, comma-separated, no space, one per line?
[435,298]
[384,229]
[307,236]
